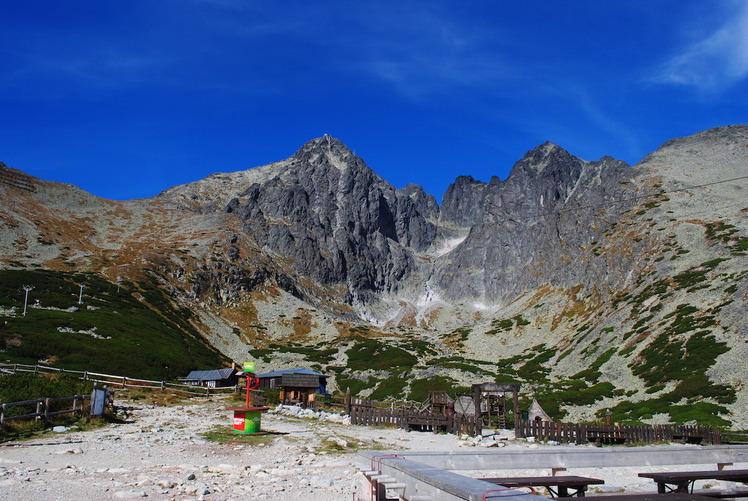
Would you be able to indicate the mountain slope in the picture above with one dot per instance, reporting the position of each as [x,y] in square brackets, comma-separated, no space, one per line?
[599,284]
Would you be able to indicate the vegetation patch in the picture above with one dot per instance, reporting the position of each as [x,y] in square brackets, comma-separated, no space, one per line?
[592,373]
[727,235]
[507,324]
[462,364]
[389,389]
[224,435]
[533,370]
[377,354]
[457,337]
[122,329]
[703,413]
[421,388]
[356,385]
[319,354]
[26,386]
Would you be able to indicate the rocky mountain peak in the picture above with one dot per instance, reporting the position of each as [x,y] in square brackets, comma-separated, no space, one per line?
[547,156]
[327,151]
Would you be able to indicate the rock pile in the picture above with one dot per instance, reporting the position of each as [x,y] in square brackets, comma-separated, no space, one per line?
[295,411]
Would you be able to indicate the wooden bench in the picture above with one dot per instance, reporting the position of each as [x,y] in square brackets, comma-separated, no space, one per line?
[562,484]
[722,494]
[676,496]
[682,481]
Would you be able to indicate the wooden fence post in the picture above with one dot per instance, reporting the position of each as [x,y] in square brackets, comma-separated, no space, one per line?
[39,408]
[582,434]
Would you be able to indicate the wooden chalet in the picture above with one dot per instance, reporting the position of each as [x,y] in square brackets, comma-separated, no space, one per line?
[298,386]
[217,378]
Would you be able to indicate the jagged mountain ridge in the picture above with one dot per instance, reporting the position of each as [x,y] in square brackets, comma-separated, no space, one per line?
[340,223]
[566,262]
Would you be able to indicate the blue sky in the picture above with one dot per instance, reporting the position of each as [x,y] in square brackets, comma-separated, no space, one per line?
[128,98]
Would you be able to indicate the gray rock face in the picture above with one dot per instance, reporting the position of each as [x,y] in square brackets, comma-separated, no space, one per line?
[338,223]
[337,220]
[529,221]
[463,202]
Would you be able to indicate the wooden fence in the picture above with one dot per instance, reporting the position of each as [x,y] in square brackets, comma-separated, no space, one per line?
[121,381]
[46,408]
[612,434]
[369,413]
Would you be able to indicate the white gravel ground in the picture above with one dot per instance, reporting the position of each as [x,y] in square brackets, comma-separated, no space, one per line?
[159,453]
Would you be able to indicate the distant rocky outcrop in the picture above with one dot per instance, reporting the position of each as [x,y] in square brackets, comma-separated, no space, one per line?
[551,205]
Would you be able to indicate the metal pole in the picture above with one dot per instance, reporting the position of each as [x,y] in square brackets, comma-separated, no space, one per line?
[27,288]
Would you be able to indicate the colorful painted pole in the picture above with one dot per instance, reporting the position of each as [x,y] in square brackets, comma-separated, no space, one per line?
[247,418]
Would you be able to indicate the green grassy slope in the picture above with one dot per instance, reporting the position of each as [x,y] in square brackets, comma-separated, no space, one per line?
[127,329]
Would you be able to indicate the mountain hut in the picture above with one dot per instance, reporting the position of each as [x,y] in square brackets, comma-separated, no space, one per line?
[297,386]
[217,378]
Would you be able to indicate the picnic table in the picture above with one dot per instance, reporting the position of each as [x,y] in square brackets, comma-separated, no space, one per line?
[682,481]
[675,496]
[562,484]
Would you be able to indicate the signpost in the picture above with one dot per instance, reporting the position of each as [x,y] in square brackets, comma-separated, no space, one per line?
[247,418]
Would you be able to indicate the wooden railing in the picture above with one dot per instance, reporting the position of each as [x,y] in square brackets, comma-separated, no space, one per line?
[121,381]
[370,413]
[576,433]
[46,408]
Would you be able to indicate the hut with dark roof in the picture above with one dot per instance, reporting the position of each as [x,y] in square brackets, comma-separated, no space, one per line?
[297,386]
[216,378]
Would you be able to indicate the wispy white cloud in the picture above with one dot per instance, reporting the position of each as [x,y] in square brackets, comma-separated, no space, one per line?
[424,51]
[97,69]
[714,62]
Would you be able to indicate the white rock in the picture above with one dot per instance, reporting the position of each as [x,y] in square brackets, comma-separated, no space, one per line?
[281,472]
[130,494]
[319,482]
[608,489]
[70,451]
[166,484]
[339,442]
